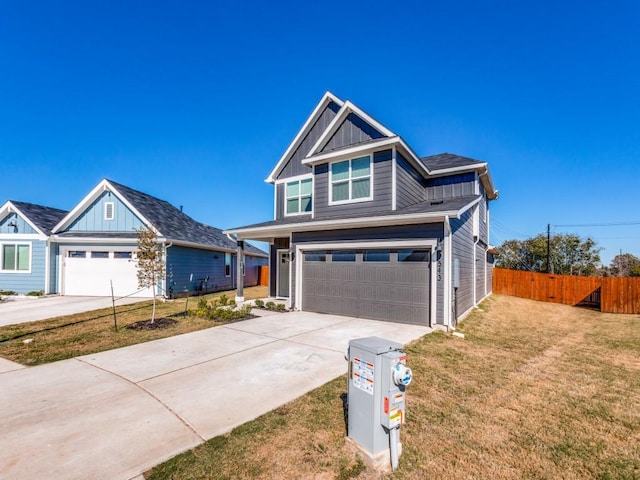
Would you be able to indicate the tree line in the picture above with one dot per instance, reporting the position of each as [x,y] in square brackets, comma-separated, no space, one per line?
[564,254]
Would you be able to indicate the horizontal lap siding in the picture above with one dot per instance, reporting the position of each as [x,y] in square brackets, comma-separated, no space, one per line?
[382,190]
[251,269]
[27,282]
[293,165]
[462,249]
[183,262]
[410,185]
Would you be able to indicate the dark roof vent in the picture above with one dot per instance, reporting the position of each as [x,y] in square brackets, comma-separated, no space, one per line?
[437,202]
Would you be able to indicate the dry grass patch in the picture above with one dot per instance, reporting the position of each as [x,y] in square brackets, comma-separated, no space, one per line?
[91,332]
[534,391]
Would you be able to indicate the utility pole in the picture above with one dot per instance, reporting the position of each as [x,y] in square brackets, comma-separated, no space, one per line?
[548,248]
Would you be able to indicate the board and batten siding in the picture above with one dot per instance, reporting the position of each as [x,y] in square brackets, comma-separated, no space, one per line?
[34,281]
[92,219]
[400,232]
[461,185]
[21,226]
[293,166]
[462,250]
[410,184]
[352,131]
[381,183]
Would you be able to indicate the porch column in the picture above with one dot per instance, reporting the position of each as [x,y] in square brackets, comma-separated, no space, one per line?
[239,272]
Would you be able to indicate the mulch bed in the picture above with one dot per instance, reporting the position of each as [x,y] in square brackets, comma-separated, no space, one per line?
[147,325]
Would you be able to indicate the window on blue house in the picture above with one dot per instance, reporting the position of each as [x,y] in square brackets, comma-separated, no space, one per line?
[16,257]
[227,264]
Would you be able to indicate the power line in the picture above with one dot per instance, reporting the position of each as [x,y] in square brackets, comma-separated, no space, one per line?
[610,224]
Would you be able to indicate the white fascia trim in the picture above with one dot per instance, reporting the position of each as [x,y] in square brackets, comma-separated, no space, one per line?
[9,208]
[293,179]
[417,162]
[468,206]
[322,104]
[350,152]
[103,186]
[17,237]
[430,243]
[94,241]
[344,112]
[465,168]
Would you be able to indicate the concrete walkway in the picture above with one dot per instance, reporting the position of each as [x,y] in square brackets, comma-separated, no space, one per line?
[29,309]
[115,414]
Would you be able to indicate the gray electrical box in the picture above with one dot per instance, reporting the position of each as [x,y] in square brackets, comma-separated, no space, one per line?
[377,379]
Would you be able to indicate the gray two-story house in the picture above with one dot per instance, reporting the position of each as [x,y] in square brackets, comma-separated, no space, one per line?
[365,227]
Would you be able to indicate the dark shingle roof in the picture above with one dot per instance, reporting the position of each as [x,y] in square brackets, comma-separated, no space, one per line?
[448,160]
[175,225]
[45,218]
[428,206]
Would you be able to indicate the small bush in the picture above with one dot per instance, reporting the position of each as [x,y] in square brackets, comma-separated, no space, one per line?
[259,303]
[223,300]
[7,292]
[270,305]
[38,293]
[281,307]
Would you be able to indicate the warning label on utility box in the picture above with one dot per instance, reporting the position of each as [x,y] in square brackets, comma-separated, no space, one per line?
[362,375]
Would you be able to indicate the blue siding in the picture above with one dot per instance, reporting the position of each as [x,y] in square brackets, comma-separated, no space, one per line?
[92,219]
[353,130]
[461,185]
[22,227]
[27,282]
[292,166]
[382,190]
[186,267]
[410,184]
[54,261]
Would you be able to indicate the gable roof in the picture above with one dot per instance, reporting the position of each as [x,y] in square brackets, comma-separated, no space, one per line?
[326,99]
[41,218]
[159,215]
[450,163]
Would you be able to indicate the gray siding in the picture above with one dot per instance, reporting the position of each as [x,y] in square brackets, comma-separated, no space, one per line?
[452,186]
[400,232]
[484,218]
[480,271]
[280,188]
[278,244]
[92,219]
[353,130]
[462,249]
[27,282]
[251,269]
[410,187]
[382,190]
[489,262]
[292,166]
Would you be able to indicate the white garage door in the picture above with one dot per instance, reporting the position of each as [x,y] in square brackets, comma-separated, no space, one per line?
[91,273]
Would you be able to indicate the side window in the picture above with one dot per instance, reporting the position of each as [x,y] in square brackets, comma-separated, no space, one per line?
[298,196]
[227,264]
[351,180]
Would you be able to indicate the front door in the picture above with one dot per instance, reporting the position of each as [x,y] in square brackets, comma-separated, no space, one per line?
[283,274]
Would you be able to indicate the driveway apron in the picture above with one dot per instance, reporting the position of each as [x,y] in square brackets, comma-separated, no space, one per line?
[115,414]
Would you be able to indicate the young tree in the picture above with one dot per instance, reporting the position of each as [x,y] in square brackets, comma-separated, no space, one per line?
[569,254]
[150,262]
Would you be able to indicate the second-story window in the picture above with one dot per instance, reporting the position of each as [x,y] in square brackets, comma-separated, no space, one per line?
[351,180]
[298,195]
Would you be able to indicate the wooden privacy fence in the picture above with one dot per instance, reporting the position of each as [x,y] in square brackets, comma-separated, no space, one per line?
[263,277]
[609,294]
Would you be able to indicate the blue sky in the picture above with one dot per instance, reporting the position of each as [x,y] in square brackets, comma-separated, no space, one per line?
[194,102]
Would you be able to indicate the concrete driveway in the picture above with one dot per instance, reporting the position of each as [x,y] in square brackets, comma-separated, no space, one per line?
[29,309]
[115,414]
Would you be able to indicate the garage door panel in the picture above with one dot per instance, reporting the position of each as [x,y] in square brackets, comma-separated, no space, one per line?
[392,291]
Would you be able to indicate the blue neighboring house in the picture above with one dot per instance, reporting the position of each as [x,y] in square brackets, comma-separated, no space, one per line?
[365,227]
[92,247]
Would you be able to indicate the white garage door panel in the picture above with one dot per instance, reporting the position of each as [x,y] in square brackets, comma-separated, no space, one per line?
[93,276]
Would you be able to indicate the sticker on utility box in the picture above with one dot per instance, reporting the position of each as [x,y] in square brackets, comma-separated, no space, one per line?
[362,375]
[395,417]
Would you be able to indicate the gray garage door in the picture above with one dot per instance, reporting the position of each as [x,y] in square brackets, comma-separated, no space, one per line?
[391,285]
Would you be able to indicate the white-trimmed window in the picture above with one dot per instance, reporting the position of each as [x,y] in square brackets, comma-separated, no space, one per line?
[298,196]
[15,257]
[109,211]
[351,180]
[227,264]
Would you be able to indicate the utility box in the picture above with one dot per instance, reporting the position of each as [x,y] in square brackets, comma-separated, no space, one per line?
[377,378]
